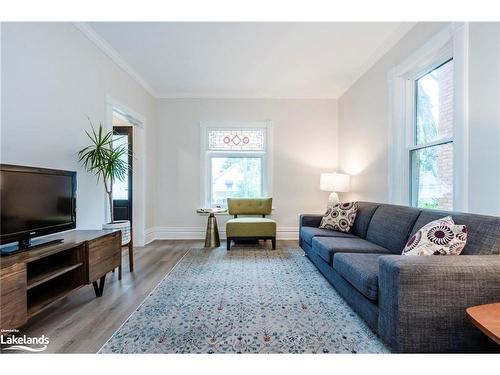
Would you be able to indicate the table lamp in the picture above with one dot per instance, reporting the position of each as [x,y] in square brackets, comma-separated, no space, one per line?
[335,183]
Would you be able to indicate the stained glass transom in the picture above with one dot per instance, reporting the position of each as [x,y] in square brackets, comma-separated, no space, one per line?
[236,139]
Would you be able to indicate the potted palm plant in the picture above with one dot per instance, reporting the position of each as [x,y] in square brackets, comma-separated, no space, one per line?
[107,162]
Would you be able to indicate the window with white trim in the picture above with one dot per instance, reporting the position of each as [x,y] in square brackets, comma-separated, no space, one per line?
[428,129]
[431,152]
[236,158]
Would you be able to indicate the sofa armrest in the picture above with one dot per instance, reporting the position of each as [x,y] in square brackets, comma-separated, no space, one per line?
[310,220]
[422,301]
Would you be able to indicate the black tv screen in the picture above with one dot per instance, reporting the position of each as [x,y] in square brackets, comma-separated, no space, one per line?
[35,202]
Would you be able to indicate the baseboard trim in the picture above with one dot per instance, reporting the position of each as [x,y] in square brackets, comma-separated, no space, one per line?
[198,233]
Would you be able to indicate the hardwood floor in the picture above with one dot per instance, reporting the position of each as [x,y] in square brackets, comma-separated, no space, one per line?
[82,323]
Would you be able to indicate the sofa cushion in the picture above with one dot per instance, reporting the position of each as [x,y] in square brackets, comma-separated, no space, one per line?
[360,270]
[439,237]
[251,227]
[327,247]
[483,232]
[307,233]
[363,218]
[340,217]
[391,225]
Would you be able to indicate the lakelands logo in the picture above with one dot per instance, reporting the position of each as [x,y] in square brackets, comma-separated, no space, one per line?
[23,343]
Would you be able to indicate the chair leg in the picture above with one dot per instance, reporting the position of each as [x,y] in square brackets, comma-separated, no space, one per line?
[273,241]
[228,244]
[131,255]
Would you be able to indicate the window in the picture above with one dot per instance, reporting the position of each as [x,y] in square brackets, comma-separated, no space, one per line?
[236,161]
[431,154]
[428,128]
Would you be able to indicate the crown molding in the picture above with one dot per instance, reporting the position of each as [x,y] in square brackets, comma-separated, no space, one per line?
[109,51]
[390,42]
[195,95]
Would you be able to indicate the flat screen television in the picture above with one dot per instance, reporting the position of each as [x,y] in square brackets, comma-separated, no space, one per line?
[34,202]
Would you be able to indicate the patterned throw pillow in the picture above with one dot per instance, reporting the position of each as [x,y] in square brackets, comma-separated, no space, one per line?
[439,237]
[340,217]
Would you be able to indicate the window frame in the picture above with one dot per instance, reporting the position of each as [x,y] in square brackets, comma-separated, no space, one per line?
[207,155]
[450,42]
[413,147]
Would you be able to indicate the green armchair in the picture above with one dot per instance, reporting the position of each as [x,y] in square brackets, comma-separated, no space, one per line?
[250,228]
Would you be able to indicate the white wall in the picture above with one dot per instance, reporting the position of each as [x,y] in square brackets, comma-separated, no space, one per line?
[53,77]
[484,118]
[305,144]
[363,119]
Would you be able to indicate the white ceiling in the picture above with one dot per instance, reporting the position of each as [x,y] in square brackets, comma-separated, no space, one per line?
[251,60]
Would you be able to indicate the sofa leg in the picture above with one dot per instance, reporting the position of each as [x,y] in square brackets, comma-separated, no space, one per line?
[228,244]
[273,241]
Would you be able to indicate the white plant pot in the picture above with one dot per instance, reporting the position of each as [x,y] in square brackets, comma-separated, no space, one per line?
[124,226]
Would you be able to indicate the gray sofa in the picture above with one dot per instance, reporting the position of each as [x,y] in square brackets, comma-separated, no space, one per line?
[414,303]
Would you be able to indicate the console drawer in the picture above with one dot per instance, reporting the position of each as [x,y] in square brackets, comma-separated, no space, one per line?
[104,255]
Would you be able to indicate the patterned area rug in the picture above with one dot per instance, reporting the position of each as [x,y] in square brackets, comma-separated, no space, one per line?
[247,300]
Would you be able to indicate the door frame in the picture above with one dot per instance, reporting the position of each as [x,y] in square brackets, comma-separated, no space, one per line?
[129,131]
[139,124]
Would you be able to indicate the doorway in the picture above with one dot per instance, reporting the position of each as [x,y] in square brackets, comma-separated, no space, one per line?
[119,115]
[123,189]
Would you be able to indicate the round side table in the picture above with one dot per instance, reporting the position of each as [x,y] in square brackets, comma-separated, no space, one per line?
[212,235]
[487,319]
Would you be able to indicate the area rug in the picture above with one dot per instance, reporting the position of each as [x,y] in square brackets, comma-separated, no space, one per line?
[247,300]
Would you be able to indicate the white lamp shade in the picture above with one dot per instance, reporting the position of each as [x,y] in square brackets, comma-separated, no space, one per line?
[336,182]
